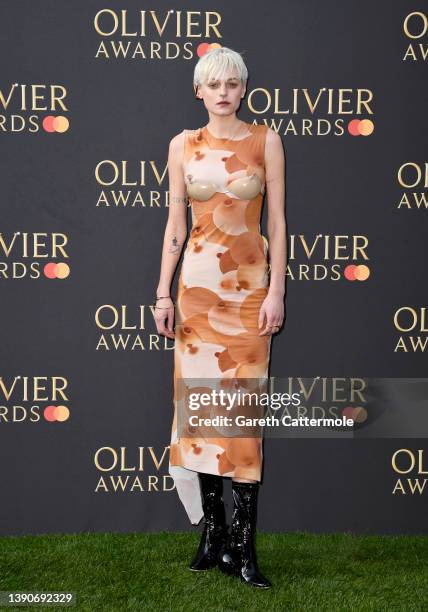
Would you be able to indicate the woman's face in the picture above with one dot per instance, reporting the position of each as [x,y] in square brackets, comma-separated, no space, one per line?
[222,96]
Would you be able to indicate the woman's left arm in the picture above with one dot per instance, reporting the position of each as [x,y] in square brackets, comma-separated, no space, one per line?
[273,305]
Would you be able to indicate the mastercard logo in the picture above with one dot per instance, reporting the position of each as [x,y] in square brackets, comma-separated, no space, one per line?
[205,47]
[55,124]
[357,414]
[360,127]
[353,273]
[56,413]
[56,270]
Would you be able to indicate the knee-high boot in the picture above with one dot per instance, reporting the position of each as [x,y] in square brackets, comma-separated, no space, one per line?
[238,556]
[215,529]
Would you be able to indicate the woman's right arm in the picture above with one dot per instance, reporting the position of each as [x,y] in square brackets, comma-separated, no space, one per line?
[174,237]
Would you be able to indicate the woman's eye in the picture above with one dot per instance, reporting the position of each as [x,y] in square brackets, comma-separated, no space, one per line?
[214,85]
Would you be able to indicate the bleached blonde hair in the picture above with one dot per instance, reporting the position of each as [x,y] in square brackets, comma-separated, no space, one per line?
[218,62]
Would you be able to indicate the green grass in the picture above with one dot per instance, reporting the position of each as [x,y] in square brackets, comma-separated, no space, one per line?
[149,572]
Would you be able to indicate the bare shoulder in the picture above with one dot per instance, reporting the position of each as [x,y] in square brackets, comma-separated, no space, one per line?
[272,137]
[273,144]
[177,142]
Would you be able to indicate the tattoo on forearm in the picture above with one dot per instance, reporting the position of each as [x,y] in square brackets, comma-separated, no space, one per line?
[175,246]
[178,199]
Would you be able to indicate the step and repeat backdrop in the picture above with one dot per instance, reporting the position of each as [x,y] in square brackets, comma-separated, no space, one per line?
[91,93]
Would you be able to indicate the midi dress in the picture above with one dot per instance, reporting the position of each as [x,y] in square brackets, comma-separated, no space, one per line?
[223,280]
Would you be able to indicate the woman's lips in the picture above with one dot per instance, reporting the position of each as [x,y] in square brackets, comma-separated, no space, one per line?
[223,103]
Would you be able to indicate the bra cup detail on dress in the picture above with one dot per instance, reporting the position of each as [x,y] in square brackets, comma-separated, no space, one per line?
[201,190]
[203,159]
[246,188]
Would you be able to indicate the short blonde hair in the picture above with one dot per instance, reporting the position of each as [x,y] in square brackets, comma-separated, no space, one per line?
[218,62]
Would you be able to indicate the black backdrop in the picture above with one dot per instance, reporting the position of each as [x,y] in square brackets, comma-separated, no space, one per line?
[121,112]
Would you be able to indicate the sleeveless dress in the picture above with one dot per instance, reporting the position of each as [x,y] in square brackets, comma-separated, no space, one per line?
[223,281]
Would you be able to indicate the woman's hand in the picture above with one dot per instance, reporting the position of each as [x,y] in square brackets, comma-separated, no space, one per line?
[164,312]
[273,309]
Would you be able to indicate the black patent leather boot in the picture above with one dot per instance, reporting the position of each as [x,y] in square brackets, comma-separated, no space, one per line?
[238,556]
[215,529]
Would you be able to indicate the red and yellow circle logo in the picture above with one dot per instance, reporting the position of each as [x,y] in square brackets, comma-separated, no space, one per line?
[56,413]
[205,47]
[360,127]
[56,270]
[55,124]
[352,272]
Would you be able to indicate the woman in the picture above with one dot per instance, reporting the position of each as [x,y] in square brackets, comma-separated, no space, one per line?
[227,307]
